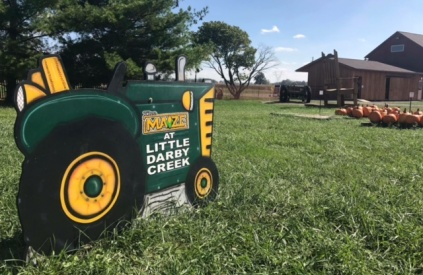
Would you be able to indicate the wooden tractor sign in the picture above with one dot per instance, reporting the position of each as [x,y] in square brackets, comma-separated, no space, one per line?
[94,158]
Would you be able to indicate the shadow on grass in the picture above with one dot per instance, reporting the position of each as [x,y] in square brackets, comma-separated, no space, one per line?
[296,103]
[4,103]
[12,250]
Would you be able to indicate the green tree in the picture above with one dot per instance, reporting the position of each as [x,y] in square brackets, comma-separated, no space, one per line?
[232,55]
[22,39]
[95,34]
[260,78]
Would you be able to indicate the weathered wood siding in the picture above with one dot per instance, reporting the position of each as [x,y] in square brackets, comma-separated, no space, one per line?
[373,85]
[400,88]
[316,79]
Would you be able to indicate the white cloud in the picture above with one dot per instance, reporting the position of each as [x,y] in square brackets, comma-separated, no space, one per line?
[299,36]
[274,29]
[362,39]
[283,49]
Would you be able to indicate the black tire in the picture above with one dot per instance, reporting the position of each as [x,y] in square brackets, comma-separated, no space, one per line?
[202,182]
[284,96]
[92,167]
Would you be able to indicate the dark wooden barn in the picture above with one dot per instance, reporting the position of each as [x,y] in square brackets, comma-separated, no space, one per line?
[402,49]
[390,72]
[379,81]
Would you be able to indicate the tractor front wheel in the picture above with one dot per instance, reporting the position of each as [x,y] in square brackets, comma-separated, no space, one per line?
[202,182]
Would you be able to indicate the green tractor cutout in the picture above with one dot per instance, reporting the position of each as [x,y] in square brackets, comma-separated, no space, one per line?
[95,158]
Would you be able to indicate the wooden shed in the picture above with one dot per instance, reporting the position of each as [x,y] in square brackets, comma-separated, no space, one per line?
[379,81]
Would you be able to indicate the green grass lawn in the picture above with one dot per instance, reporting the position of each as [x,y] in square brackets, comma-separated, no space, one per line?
[297,195]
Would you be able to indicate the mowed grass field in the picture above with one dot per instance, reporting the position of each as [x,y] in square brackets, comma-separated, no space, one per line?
[297,196]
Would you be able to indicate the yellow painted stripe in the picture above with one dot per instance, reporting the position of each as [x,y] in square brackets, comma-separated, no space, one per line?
[32,93]
[206,122]
[55,74]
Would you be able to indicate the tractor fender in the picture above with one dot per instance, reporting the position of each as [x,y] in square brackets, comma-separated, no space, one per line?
[39,119]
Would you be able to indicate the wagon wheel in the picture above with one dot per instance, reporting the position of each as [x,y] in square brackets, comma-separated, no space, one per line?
[284,96]
[202,182]
[79,183]
[307,94]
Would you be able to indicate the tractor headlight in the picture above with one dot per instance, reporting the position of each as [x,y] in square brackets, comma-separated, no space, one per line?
[20,98]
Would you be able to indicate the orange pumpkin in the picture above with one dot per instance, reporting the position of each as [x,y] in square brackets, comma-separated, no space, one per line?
[384,112]
[396,109]
[357,112]
[376,116]
[390,118]
[341,112]
[402,116]
[412,119]
[367,110]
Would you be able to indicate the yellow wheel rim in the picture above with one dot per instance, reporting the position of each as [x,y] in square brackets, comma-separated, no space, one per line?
[90,187]
[203,183]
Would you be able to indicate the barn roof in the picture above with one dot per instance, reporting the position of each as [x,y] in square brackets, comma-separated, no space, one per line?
[369,65]
[416,38]
[362,65]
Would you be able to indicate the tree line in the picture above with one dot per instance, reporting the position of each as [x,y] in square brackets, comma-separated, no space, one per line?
[91,36]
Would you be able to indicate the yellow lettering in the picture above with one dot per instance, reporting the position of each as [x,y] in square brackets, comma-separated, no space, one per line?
[165,123]
[151,124]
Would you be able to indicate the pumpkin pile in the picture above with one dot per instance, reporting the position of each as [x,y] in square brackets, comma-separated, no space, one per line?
[385,116]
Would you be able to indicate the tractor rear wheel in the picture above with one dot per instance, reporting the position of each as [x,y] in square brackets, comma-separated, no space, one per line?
[82,181]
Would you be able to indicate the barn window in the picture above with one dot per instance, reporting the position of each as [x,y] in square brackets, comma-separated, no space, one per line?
[397,48]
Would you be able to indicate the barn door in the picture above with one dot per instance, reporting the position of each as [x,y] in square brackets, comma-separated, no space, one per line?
[387,87]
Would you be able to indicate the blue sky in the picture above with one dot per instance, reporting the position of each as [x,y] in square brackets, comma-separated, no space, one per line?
[299,30]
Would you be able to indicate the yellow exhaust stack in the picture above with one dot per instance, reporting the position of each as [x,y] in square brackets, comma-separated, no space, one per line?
[49,78]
